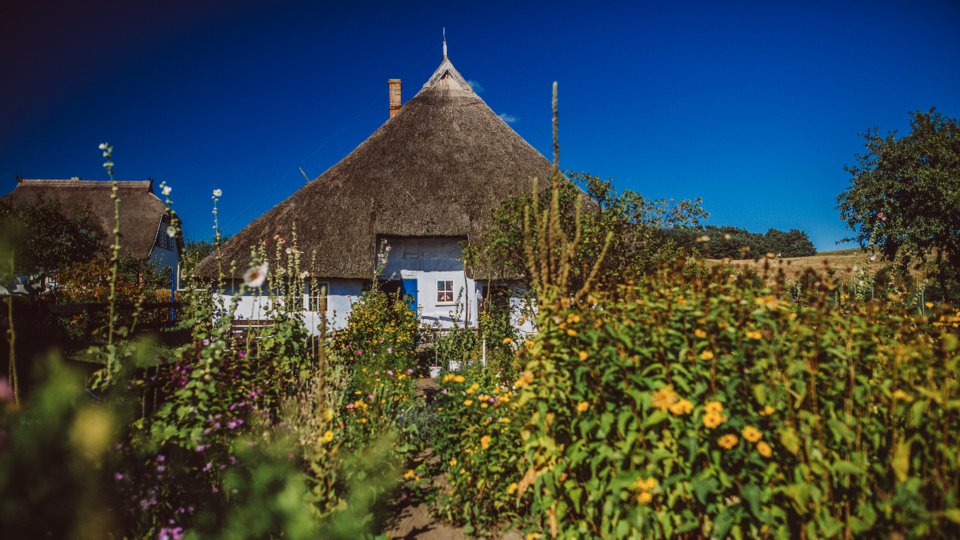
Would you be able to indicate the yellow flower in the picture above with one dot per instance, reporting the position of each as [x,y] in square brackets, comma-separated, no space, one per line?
[706,355]
[929,305]
[752,434]
[664,398]
[507,341]
[645,485]
[901,395]
[582,406]
[474,387]
[409,474]
[699,333]
[328,436]
[571,332]
[681,407]
[753,335]
[714,406]
[767,411]
[468,402]
[453,462]
[644,498]
[470,391]
[485,442]
[712,419]
[458,378]
[764,449]
[529,344]
[512,488]
[728,441]
[583,355]
[483,405]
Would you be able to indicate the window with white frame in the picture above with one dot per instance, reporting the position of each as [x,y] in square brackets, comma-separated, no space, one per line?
[317,296]
[444,291]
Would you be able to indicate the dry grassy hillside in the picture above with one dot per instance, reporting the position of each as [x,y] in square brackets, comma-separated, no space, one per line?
[842,261]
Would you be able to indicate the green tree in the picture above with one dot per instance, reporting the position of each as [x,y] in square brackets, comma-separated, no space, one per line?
[633,221]
[197,249]
[905,195]
[44,239]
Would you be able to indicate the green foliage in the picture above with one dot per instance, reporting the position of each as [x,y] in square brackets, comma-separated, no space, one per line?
[754,415]
[735,243]
[198,249]
[46,240]
[630,221]
[905,195]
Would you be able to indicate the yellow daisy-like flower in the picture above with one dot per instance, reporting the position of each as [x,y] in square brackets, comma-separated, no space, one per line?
[728,441]
[712,420]
[512,488]
[929,305]
[699,333]
[706,355]
[664,398]
[644,498]
[470,391]
[583,355]
[582,406]
[458,378]
[328,436]
[571,332]
[645,485]
[764,449]
[468,402]
[453,462]
[409,474]
[528,344]
[485,442]
[753,335]
[767,411]
[681,407]
[751,434]
[573,318]
[714,407]
[447,378]
[507,341]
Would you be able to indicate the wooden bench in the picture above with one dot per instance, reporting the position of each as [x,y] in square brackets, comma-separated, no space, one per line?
[241,329]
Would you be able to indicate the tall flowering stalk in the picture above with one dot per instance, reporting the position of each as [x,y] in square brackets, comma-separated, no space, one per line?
[115,255]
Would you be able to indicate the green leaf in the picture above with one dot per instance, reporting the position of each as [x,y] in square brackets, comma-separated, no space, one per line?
[703,487]
[845,467]
[901,461]
[789,440]
[840,430]
[952,514]
[656,418]
[751,493]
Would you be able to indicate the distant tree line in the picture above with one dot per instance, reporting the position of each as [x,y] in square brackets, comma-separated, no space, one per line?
[730,241]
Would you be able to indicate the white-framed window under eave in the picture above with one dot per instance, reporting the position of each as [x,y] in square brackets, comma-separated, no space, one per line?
[445,292]
[317,296]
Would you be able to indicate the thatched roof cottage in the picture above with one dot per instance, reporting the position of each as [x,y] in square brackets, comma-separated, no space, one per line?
[425,181]
[143,216]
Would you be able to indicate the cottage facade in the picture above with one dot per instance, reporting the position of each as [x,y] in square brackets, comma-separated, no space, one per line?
[423,184]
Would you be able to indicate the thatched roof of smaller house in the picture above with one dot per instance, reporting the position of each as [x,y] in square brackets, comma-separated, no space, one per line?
[436,168]
[141,212]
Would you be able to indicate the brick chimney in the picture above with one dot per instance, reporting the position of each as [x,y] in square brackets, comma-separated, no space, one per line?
[394,96]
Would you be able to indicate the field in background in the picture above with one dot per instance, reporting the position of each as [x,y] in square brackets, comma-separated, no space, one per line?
[841,261]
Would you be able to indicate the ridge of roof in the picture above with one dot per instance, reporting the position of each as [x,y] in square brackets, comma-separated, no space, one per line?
[446,68]
[147,185]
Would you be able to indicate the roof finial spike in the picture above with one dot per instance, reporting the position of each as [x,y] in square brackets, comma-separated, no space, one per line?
[444,41]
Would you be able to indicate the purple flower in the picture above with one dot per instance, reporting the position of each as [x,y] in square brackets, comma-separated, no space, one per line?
[160,468]
[215,490]
[349,405]
[216,426]
[376,372]
[118,477]
[492,400]
[208,467]
[242,354]
[232,424]
[390,350]
[389,372]
[444,390]
[369,397]
[409,371]
[359,353]
[201,448]
[206,431]
[206,342]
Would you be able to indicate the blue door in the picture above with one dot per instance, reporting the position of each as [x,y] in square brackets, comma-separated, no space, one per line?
[409,287]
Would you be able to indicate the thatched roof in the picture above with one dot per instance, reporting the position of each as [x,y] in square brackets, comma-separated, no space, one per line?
[141,212]
[437,168]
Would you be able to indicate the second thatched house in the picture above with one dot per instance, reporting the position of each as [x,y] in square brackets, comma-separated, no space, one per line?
[424,182]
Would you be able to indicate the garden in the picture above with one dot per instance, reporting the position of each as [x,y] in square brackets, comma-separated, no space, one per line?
[662,396]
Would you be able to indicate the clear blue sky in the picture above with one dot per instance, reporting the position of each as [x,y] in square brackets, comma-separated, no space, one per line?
[753,107]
